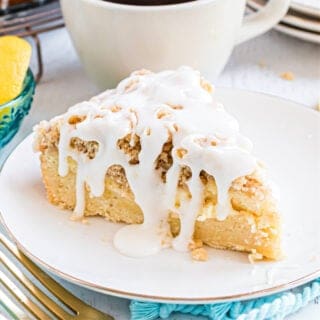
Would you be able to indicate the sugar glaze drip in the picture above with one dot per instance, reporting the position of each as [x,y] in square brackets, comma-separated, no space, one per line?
[156,106]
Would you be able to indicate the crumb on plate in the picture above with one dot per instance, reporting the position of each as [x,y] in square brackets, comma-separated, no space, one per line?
[287,76]
[254,256]
[195,244]
[199,254]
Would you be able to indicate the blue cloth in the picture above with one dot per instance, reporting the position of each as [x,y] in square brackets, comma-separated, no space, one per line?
[272,307]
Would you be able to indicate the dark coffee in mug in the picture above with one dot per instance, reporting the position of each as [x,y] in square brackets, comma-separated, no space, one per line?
[149,2]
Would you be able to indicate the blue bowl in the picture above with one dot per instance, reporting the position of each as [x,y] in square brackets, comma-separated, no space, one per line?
[13,112]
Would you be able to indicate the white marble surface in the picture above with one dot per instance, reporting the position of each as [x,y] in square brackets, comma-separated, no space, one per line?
[255,65]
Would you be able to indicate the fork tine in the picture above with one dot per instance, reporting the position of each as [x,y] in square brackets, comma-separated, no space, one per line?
[22,298]
[3,318]
[82,310]
[11,308]
[55,288]
[36,292]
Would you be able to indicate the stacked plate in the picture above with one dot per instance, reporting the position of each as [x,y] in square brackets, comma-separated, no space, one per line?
[302,20]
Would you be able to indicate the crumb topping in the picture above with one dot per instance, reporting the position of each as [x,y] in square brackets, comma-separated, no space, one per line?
[199,254]
[131,146]
[90,148]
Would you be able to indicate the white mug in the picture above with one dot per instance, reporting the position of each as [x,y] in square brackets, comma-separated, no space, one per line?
[114,39]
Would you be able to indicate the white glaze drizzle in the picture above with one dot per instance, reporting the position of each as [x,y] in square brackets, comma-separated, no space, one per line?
[199,119]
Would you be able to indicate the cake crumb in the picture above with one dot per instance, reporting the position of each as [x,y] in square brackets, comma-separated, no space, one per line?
[195,244]
[74,119]
[175,107]
[147,131]
[254,256]
[176,127]
[181,152]
[115,108]
[199,254]
[166,241]
[163,113]
[318,106]
[132,85]
[289,76]
[141,72]
[206,85]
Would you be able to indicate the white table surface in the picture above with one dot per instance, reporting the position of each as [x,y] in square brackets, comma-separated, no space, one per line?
[255,65]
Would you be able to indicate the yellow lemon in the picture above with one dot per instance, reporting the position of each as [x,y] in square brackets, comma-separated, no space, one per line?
[15,54]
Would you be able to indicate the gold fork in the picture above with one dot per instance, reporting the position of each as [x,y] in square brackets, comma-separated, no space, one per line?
[78,309]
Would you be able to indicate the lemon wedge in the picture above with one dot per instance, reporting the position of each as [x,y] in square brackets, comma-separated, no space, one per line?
[15,54]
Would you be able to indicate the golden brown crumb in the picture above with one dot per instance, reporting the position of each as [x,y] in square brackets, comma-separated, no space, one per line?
[176,127]
[115,109]
[254,256]
[47,137]
[76,119]
[131,149]
[206,85]
[185,175]
[318,105]
[164,160]
[142,72]
[287,76]
[195,244]
[90,148]
[202,141]
[175,107]
[181,152]
[199,254]
[147,131]
[249,185]
[131,85]
[163,113]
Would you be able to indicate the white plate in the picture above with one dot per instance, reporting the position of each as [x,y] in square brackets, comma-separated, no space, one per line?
[297,33]
[286,137]
[311,7]
[292,18]
[290,28]
[305,9]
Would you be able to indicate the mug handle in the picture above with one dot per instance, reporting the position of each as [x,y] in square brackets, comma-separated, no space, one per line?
[260,22]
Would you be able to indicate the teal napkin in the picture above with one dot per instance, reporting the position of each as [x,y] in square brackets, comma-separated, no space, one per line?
[273,307]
